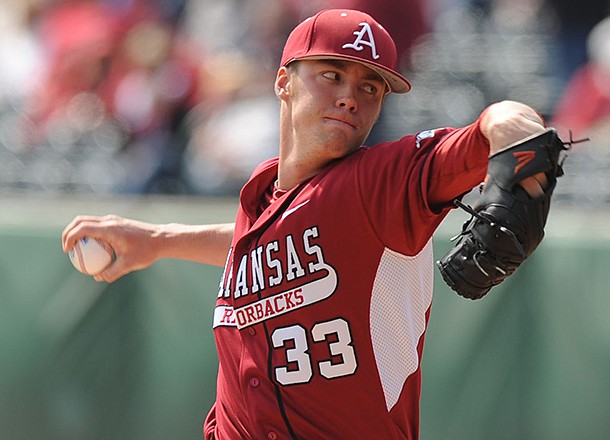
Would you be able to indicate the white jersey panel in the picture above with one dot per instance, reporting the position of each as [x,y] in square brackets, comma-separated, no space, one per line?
[402,294]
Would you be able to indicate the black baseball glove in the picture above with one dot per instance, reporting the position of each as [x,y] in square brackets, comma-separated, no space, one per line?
[506,224]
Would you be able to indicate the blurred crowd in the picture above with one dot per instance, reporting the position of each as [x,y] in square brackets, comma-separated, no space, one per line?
[176,96]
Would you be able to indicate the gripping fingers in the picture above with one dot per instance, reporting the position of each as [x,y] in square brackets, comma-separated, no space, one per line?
[90,226]
[78,228]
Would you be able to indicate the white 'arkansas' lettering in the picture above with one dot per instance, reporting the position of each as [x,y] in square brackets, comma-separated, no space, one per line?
[269,265]
[274,263]
[294,267]
[313,249]
[222,291]
[258,280]
[241,286]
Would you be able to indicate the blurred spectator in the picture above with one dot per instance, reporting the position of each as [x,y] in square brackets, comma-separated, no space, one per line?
[152,84]
[584,112]
[584,108]
[576,19]
[20,55]
[235,125]
[122,68]
[77,38]
[254,29]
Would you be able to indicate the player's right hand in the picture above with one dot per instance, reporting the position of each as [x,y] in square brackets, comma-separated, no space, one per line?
[133,242]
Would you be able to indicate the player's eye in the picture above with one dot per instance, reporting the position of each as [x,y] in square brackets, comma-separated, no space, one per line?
[370,88]
[331,75]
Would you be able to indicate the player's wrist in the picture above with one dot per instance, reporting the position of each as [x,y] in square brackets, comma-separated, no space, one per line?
[164,241]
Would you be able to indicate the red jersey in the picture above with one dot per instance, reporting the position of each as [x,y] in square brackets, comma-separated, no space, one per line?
[325,298]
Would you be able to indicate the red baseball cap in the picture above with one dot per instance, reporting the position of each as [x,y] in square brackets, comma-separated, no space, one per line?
[346,34]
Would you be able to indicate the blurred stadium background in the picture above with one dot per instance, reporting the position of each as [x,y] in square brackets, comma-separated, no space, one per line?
[159,110]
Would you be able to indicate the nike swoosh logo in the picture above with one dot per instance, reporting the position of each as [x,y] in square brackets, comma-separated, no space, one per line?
[291,210]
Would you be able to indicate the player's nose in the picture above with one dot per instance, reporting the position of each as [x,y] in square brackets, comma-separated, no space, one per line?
[347,100]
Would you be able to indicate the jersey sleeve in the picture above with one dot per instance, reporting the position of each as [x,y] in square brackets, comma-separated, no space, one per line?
[457,164]
[408,185]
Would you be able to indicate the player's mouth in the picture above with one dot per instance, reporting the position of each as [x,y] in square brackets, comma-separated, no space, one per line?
[339,121]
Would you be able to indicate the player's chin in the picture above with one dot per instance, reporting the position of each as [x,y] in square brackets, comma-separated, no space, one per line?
[339,150]
[341,144]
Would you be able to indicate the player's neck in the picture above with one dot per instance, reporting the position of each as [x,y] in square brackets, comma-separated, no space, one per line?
[301,156]
[292,174]
[295,168]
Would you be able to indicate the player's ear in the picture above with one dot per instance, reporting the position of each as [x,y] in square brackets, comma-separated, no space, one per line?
[282,83]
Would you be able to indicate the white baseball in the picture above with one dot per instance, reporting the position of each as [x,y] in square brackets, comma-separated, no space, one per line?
[91,256]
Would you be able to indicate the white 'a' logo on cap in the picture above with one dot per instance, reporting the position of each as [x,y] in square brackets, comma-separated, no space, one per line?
[360,40]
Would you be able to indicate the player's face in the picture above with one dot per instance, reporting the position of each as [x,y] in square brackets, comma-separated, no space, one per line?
[334,105]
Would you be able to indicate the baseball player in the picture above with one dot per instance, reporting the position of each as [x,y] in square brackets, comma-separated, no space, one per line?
[322,308]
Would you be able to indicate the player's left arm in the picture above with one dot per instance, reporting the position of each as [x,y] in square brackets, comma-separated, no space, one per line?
[460,158]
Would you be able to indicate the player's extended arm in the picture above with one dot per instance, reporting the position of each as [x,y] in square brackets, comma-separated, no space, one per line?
[137,244]
[507,222]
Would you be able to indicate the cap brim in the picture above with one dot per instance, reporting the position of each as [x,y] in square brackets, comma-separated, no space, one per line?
[395,81]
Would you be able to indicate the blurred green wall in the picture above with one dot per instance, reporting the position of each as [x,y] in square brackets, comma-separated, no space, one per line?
[136,360]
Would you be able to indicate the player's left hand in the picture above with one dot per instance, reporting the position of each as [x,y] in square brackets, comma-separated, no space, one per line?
[508,222]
